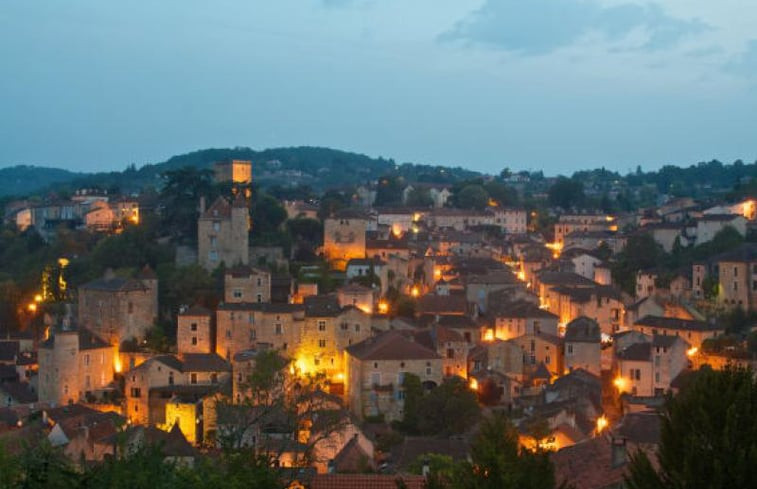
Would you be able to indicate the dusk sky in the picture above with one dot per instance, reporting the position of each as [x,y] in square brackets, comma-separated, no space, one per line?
[556,85]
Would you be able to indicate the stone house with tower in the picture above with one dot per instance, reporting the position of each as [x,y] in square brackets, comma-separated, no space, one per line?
[223,233]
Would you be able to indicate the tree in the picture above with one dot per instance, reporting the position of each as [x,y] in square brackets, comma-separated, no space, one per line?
[497,461]
[566,193]
[501,193]
[419,197]
[706,440]
[641,252]
[389,190]
[472,197]
[181,196]
[450,408]
[411,384]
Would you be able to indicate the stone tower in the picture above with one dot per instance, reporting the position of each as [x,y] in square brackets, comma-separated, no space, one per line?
[223,234]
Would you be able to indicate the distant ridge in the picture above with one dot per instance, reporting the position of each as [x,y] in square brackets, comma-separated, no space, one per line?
[319,167]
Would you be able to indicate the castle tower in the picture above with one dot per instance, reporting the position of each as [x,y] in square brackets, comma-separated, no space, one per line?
[223,234]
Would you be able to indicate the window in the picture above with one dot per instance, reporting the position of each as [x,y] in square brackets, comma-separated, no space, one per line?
[260,298]
[87,382]
[657,377]
[735,286]
[193,327]
[546,359]
[260,282]
[321,325]
[228,334]
[344,326]
[400,395]
[357,328]
[194,340]
[170,378]
[86,360]
[192,378]
[735,271]
[213,378]
[322,343]
[570,349]
[428,370]
[136,392]
[213,241]
[237,293]
[130,307]
[252,335]
[213,255]
[450,353]
[277,328]
[657,360]
[216,226]
[375,364]
[376,378]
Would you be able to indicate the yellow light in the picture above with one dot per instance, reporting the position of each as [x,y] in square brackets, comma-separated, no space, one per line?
[383,307]
[692,351]
[609,218]
[302,366]
[117,364]
[416,217]
[521,276]
[489,335]
[396,230]
[473,384]
[437,273]
[38,298]
[493,203]
[340,377]
[291,369]
[620,383]
[63,262]
[415,291]
[602,423]
[32,307]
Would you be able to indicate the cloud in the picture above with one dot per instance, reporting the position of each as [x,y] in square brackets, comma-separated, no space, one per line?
[534,27]
[746,64]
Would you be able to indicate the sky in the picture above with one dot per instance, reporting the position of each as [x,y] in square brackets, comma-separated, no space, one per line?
[552,85]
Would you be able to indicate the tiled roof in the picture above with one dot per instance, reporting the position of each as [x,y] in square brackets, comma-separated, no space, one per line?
[219,209]
[638,352]
[588,465]
[390,345]
[115,284]
[322,306]
[268,307]
[675,323]
[440,304]
[244,271]
[518,309]
[204,362]
[564,278]
[583,330]
[641,427]
[87,339]
[352,458]
[413,447]
[367,481]
[432,337]
[195,311]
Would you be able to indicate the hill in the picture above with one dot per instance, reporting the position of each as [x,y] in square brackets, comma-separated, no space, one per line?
[24,179]
[320,168]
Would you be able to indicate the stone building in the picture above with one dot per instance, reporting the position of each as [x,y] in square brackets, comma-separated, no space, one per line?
[583,345]
[194,332]
[73,365]
[648,368]
[246,284]
[241,326]
[223,233]
[376,369]
[117,309]
[344,237]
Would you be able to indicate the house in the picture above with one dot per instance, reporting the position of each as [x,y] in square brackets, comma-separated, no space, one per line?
[450,345]
[569,223]
[646,283]
[693,331]
[711,224]
[583,345]
[647,368]
[542,349]
[74,364]
[737,277]
[117,308]
[376,368]
[364,298]
[223,233]
[344,237]
[513,319]
[246,284]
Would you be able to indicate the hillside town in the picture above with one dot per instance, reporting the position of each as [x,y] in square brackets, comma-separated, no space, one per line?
[373,343]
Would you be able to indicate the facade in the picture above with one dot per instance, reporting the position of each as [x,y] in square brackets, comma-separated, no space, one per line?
[583,345]
[194,332]
[570,223]
[73,365]
[241,326]
[246,284]
[117,309]
[692,331]
[648,368]
[223,234]
[711,224]
[542,348]
[344,237]
[376,369]
[514,319]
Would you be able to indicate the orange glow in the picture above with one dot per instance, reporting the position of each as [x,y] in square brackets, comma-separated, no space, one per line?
[602,423]
[38,298]
[620,383]
[609,218]
[556,249]
[302,366]
[383,307]
[489,335]
[437,273]
[32,307]
[692,351]
[493,203]
[340,377]
[396,230]
[522,276]
[415,291]
[473,384]
[117,367]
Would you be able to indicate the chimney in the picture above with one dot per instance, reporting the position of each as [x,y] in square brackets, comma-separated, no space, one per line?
[202,204]
[619,454]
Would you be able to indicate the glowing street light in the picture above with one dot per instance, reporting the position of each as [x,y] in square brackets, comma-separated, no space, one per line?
[415,291]
[383,307]
[38,298]
[32,307]
[620,383]
[602,423]
[692,351]
[473,384]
